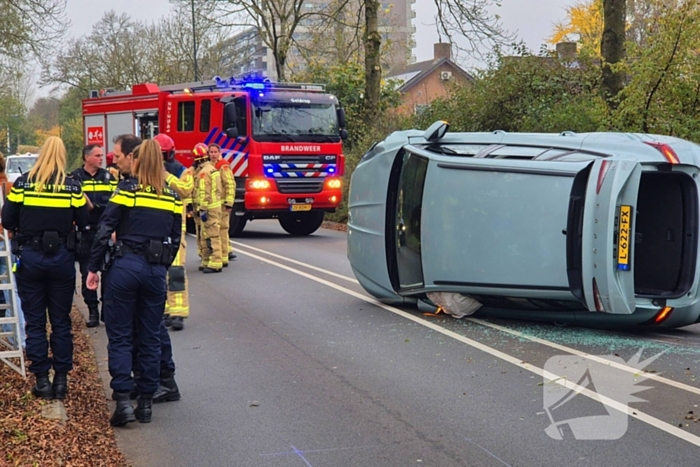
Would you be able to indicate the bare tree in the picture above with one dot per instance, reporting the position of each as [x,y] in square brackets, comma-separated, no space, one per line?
[31,27]
[612,48]
[373,69]
[470,26]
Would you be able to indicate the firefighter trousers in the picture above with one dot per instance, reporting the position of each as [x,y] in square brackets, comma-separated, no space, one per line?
[224,225]
[178,303]
[211,235]
[198,233]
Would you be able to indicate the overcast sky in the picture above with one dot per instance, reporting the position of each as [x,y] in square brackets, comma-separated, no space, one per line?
[533,19]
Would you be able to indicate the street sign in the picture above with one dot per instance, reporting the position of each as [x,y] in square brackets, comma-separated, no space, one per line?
[95,135]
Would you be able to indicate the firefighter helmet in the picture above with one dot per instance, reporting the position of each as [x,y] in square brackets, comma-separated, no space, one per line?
[167,146]
[110,158]
[200,152]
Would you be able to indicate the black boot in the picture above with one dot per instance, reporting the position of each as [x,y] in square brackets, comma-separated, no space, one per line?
[167,388]
[232,256]
[60,386]
[144,409]
[168,320]
[177,323]
[94,317]
[124,412]
[42,389]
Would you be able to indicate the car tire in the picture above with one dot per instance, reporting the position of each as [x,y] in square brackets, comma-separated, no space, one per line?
[236,225]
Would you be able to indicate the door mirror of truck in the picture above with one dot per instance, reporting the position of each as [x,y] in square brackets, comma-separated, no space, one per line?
[341,117]
[232,132]
[343,134]
[231,119]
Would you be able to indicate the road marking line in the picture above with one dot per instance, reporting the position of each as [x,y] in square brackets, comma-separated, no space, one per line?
[546,375]
[325,271]
[595,358]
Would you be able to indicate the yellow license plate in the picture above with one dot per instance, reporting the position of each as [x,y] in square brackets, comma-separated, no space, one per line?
[301,207]
[624,239]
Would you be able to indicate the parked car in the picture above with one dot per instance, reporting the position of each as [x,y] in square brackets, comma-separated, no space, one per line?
[596,229]
[18,164]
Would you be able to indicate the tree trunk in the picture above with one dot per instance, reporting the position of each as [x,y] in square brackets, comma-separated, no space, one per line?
[612,48]
[373,69]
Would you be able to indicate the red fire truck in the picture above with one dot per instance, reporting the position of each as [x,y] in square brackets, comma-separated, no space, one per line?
[283,140]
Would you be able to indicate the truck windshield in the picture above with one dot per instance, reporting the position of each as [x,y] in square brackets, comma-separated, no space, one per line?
[20,165]
[282,121]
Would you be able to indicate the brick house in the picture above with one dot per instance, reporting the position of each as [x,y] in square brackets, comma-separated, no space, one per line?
[423,82]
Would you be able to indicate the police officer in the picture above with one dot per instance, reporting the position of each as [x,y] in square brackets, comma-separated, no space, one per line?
[145,214]
[177,307]
[228,187]
[125,147]
[41,210]
[208,202]
[98,185]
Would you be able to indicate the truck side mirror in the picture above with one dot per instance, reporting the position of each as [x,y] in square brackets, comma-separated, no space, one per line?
[341,117]
[343,134]
[231,119]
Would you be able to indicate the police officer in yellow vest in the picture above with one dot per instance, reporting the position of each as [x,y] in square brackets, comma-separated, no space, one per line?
[98,185]
[208,202]
[42,210]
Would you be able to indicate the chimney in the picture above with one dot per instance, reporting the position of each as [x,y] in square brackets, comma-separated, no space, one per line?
[442,50]
[566,50]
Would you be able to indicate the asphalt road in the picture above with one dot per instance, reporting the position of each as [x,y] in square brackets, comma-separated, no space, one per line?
[285,361]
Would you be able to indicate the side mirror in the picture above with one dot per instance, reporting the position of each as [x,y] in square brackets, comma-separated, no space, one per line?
[436,131]
[343,134]
[231,119]
[232,132]
[341,118]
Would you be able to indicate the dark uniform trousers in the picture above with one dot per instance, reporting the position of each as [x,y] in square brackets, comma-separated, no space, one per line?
[134,298]
[47,282]
[166,351]
[90,296]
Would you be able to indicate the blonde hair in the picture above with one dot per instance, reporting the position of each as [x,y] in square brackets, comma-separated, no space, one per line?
[148,167]
[50,167]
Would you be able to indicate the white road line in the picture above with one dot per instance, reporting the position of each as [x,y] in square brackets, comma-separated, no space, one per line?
[634,413]
[290,260]
[563,348]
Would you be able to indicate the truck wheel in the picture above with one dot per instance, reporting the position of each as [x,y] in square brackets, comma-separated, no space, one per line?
[302,223]
[236,225]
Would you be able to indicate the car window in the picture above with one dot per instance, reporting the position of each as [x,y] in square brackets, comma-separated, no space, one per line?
[408,221]
[20,165]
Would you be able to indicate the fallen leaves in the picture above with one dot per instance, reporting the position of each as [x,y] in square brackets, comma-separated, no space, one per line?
[85,439]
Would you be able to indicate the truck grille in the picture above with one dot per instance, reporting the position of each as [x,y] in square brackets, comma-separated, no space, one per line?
[299,166]
[299,186]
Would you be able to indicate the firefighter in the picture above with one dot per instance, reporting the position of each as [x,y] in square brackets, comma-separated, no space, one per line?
[145,213]
[98,185]
[177,307]
[125,147]
[228,185]
[41,210]
[207,195]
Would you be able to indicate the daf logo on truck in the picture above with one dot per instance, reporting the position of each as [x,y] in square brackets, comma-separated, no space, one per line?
[275,154]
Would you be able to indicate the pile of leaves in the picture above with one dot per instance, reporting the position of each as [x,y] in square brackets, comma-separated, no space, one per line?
[85,439]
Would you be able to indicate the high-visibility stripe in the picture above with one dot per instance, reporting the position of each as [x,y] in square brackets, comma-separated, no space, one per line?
[50,194]
[123,199]
[77,201]
[16,195]
[45,202]
[92,188]
[161,204]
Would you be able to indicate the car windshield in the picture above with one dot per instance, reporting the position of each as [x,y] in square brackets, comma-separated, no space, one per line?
[20,165]
[281,121]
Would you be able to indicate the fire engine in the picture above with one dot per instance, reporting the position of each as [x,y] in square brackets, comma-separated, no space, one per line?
[283,140]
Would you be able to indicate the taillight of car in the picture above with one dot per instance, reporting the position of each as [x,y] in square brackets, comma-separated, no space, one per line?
[666,150]
[663,314]
[596,297]
[604,167]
